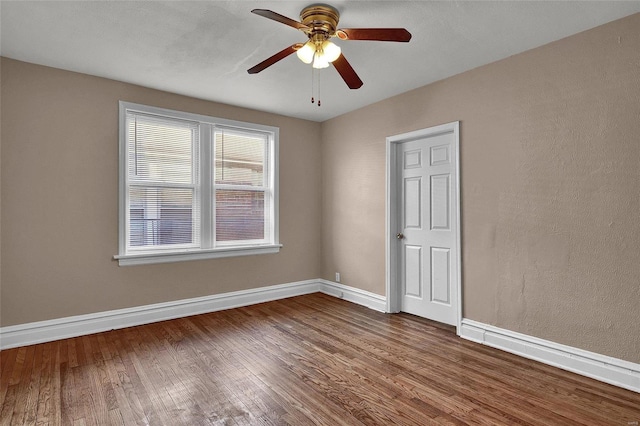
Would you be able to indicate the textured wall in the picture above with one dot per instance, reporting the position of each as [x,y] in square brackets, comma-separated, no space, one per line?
[60,201]
[550,181]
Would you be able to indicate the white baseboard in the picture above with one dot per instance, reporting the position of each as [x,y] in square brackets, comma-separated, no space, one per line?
[354,295]
[607,369]
[62,328]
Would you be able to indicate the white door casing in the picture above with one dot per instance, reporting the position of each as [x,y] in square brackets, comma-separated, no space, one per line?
[423,265]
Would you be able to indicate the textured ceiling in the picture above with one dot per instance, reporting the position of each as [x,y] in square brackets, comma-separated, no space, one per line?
[203,49]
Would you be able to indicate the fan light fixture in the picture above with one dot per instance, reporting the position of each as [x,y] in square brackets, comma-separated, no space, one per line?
[321,53]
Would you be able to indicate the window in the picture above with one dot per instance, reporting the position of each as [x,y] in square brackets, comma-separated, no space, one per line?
[195,187]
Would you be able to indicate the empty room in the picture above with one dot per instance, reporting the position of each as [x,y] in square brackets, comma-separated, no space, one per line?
[297,213]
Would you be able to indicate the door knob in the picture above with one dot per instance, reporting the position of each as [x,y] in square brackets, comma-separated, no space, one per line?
[400,236]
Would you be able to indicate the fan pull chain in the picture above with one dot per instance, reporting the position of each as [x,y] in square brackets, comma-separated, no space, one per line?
[315,73]
[312,98]
[319,104]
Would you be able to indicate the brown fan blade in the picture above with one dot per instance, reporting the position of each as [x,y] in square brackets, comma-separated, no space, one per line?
[347,73]
[279,18]
[377,34]
[273,59]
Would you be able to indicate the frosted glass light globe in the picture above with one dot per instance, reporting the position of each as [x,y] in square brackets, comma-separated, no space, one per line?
[306,52]
[320,62]
[331,51]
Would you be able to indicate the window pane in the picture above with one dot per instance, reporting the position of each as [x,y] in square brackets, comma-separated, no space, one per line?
[161,216]
[239,158]
[160,151]
[239,215]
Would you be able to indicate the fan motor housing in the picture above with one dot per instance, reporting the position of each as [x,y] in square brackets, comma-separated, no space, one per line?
[320,18]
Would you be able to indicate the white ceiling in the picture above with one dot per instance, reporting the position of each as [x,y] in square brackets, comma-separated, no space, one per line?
[203,48]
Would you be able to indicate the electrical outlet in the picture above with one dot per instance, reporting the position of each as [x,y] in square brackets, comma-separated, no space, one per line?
[337,277]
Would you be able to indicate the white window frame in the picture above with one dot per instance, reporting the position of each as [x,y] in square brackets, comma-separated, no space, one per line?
[209,249]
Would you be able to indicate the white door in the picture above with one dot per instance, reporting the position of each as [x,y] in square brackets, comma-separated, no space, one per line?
[427,234]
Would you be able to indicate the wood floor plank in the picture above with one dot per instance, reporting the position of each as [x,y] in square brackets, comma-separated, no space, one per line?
[7,362]
[48,390]
[25,387]
[66,383]
[308,360]
[129,409]
[8,405]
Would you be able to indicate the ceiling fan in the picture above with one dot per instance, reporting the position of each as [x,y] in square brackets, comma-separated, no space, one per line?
[320,23]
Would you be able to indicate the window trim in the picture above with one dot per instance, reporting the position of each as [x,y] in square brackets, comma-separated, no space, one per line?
[208,125]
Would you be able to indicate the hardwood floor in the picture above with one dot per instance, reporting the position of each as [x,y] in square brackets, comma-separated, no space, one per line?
[301,361]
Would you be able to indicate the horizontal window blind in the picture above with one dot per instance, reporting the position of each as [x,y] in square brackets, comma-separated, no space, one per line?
[162,175]
[241,187]
[240,158]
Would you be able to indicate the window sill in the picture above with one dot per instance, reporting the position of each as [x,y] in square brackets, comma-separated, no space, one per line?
[159,257]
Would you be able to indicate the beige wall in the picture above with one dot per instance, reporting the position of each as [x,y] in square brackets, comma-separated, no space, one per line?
[550,182]
[60,201]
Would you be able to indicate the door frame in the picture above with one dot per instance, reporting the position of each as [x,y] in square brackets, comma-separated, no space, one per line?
[392,205]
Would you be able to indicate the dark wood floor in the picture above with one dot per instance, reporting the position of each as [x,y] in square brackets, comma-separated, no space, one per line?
[306,360]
